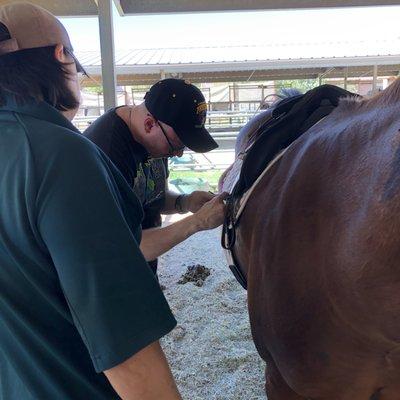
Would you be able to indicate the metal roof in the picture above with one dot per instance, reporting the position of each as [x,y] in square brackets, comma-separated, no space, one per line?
[280,52]
[128,7]
[269,57]
[165,6]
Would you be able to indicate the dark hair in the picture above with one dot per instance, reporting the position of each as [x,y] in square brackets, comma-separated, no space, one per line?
[34,75]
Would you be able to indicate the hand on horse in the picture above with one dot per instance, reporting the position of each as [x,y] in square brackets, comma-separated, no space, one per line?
[194,201]
[212,213]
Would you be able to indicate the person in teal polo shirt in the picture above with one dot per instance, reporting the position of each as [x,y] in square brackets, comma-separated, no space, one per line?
[76,295]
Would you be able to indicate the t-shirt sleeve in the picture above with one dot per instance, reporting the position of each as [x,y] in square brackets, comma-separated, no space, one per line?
[115,301]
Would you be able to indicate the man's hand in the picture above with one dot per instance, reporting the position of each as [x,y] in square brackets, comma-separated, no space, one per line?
[212,213]
[194,201]
[157,241]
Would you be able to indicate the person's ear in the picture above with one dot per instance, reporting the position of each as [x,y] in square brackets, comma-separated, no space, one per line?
[148,124]
[59,53]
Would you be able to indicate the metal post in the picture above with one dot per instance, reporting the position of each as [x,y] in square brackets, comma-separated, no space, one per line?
[107,53]
[126,96]
[235,98]
[346,77]
[375,80]
[133,96]
[262,94]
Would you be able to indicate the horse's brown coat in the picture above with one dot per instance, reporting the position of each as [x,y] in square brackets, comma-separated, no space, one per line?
[320,243]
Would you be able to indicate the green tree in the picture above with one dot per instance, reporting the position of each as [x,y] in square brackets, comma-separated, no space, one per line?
[93,89]
[301,84]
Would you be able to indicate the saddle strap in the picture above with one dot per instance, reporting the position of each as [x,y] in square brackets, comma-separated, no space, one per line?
[228,238]
[245,198]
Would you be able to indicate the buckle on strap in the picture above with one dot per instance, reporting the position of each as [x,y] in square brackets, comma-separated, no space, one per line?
[228,237]
[227,241]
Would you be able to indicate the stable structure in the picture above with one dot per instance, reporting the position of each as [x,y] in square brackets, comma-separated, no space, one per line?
[103,8]
[270,62]
[72,8]
[166,6]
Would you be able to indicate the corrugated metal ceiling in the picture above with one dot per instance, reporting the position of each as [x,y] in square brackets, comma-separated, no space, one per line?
[238,54]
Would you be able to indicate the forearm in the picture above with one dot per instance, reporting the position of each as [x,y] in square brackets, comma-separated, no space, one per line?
[144,376]
[158,241]
[169,205]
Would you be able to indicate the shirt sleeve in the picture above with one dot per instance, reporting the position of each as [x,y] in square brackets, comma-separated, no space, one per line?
[115,301]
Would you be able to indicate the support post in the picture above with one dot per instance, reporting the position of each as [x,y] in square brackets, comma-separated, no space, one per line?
[346,77]
[375,80]
[107,53]
[235,98]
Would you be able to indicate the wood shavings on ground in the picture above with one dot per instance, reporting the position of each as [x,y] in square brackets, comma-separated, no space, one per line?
[211,352]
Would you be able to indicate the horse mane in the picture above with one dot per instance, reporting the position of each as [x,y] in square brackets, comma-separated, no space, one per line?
[255,127]
[385,98]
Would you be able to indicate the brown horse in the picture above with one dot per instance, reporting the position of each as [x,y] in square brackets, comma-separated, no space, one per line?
[319,243]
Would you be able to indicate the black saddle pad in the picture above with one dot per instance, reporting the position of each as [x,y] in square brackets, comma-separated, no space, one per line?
[290,119]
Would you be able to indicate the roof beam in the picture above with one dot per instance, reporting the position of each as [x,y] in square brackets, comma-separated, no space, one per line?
[177,6]
[242,76]
[119,7]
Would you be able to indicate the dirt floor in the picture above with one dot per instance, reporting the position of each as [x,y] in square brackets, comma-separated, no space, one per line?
[211,351]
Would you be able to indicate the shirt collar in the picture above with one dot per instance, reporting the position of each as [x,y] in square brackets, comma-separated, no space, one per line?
[139,150]
[40,110]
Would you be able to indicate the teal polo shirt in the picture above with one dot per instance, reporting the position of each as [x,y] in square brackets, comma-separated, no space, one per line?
[76,295]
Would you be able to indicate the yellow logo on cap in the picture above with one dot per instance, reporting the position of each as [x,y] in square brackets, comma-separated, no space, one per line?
[201,107]
[201,114]
[188,82]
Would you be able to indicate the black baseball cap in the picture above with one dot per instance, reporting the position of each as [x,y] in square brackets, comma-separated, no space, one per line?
[182,106]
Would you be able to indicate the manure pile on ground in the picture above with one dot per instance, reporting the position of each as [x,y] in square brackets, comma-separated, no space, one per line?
[196,274]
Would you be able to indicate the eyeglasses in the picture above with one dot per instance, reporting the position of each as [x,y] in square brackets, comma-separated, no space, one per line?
[172,148]
[79,68]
